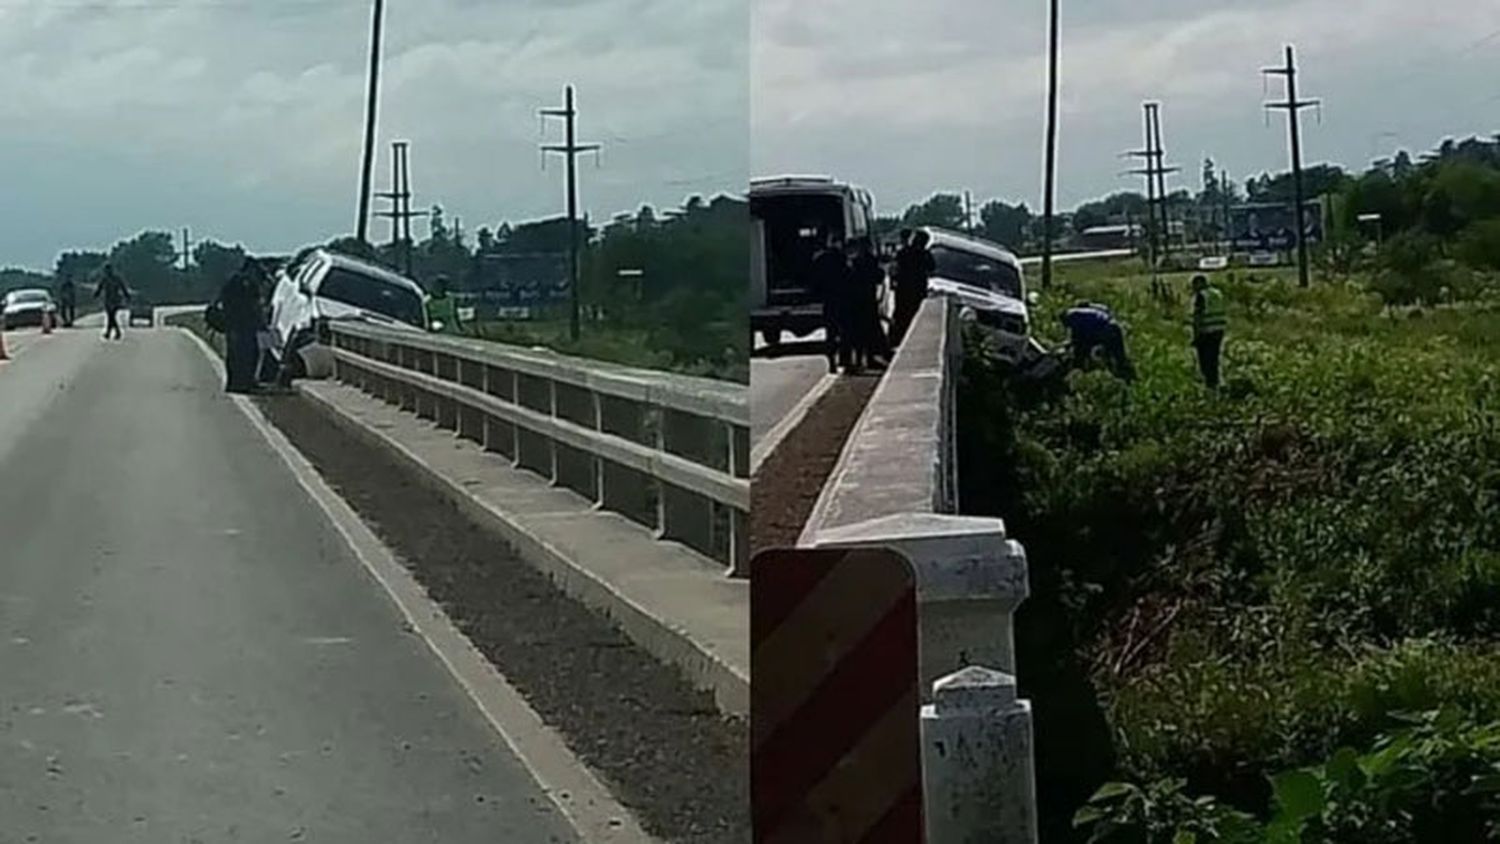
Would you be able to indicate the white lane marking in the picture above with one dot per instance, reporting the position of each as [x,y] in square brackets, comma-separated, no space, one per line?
[588,806]
[779,432]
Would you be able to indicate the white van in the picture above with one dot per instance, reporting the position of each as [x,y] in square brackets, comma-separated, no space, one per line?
[792,217]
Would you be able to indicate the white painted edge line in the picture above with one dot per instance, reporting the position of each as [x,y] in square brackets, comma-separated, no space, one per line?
[782,429]
[583,800]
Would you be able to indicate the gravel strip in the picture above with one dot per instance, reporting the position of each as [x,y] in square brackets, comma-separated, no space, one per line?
[785,490]
[636,722]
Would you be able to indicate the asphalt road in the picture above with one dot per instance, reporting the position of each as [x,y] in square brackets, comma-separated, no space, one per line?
[188,650]
[778,382]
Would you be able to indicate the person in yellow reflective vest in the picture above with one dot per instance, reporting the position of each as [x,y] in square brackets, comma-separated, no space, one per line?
[442,310]
[1210,321]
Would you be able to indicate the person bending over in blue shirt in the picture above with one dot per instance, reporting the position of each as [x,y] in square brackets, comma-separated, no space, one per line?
[1092,326]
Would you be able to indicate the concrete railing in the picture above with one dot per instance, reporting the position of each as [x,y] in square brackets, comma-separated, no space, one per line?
[896,486]
[669,452]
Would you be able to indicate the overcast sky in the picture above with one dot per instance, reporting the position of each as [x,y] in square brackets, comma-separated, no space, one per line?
[907,98]
[242,118]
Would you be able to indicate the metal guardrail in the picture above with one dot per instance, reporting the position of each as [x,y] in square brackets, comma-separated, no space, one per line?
[896,486]
[669,452]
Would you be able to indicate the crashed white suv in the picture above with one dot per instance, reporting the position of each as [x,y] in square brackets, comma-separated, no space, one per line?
[987,280]
[326,287]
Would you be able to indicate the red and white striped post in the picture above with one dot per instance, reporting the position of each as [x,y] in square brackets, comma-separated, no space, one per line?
[835,730]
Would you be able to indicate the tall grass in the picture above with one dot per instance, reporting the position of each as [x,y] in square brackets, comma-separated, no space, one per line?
[1246,580]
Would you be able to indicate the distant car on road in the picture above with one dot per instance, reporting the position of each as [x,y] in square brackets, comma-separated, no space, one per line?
[141,310]
[988,281]
[22,308]
[328,287]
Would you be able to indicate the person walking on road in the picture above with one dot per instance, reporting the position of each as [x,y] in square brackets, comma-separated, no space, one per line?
[868,277]
[240,313]
[115,294]
[1092,327]
[1210,321]
[914,268]
[832,277]
[67,299]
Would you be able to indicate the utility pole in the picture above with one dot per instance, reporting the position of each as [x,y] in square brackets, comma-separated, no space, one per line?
[1226,196]
[571,149]
[1049,191]
[1158,234]
[367,172]
[1293,107]
[187,249]
[1162,170]
[400,196]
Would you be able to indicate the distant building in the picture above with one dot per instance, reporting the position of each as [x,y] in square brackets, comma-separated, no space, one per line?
[1122,236]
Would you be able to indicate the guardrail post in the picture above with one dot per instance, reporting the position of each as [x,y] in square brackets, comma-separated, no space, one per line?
[551,443]
[970,580]
[978,773]
[598,462]
[739,529]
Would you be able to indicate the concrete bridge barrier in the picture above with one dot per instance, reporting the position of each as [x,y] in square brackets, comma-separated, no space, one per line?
[668,452]
[896,486]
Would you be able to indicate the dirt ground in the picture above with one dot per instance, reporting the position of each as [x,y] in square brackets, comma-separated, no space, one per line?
[784,491]
[663,747]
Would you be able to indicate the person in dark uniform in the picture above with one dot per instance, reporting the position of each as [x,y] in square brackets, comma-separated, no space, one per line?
[1093,327]
[67,295]
[115,294]
[242,316]
[872,349]
[914,268]
[831,275]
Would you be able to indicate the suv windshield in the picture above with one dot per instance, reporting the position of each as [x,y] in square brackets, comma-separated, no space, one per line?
[978,270]
[372,294]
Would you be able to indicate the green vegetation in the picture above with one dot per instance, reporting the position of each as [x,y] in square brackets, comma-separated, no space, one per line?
[667,348]
[1228,588]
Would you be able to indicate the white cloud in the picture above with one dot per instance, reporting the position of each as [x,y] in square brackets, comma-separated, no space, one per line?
[257,110]
[909,98]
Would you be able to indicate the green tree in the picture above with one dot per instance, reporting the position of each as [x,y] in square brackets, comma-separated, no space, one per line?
[1005,224]
[943,210]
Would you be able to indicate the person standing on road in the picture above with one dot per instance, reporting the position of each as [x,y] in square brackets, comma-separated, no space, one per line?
[67,296]
[441,307]
[1092,327]
[115,294]
[914,268]
[872,348]
[831,277]
[1210,321]
[239,306]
